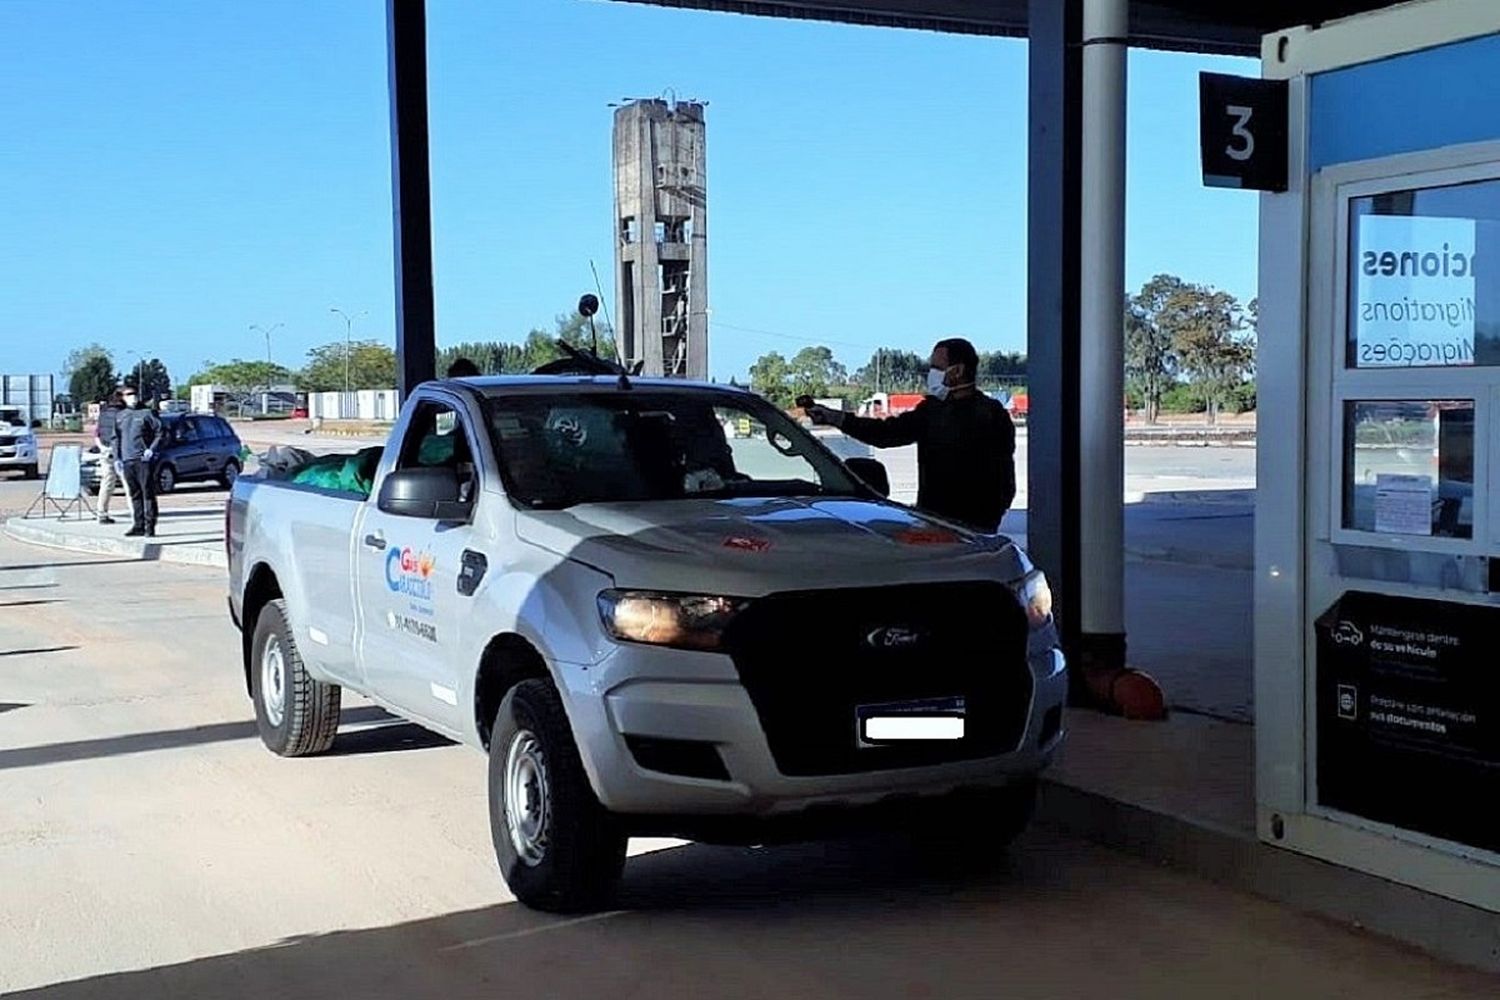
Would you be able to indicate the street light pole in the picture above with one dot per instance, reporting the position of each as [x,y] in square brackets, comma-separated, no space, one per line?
[348,338]
[270,365]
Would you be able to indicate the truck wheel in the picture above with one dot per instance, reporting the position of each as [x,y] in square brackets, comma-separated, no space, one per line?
[230,474]
[166,479]
[33,472]
[296,714]
[558,849]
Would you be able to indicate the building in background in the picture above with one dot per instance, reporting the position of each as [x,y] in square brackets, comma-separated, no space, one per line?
[661,238]
[34,395]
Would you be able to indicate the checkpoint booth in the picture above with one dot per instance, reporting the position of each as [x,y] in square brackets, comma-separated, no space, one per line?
[1378,510]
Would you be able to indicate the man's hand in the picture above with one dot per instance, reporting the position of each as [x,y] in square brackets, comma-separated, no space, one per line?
[822,416]
[148,454]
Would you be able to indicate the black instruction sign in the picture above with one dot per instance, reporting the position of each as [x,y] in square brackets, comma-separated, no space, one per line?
[1242,132]
[1409,714]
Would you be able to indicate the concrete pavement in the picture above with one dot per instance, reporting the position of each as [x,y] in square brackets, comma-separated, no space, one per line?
[149,846]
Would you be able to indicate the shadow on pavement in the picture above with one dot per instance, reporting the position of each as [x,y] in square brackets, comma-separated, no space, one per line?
[114,746]
[397,736]
[11,706]
[63,564]
[864,917]
[37,649]
[31,603]
[692,921]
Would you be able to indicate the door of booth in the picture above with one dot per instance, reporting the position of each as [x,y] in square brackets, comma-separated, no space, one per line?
[1382,752]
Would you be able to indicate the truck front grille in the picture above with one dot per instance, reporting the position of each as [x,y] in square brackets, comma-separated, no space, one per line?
[809,659]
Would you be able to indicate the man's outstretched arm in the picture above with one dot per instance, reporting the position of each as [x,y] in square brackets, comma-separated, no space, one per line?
[892,432]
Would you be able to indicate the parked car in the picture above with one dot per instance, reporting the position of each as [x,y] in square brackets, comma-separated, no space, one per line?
[198,448]
[18,447]
[650,624]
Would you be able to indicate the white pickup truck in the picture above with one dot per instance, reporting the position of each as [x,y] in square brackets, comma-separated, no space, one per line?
[660,607]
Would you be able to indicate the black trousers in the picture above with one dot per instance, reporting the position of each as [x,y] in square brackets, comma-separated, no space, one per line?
[140,479]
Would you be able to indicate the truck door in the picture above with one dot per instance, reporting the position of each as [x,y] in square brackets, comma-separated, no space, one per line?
[406,573]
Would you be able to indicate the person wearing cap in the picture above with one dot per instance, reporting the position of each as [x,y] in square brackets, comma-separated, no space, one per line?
[462,368]
[138,434]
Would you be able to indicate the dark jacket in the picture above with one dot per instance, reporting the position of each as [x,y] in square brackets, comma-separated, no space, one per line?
[105,430]
[966,455]
[136,430]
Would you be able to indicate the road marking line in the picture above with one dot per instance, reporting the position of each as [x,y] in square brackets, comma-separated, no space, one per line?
[528,931]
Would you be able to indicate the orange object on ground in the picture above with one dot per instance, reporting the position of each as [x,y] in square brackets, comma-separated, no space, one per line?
[1127,692]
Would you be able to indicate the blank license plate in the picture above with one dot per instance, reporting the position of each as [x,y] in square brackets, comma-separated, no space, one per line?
[911,722]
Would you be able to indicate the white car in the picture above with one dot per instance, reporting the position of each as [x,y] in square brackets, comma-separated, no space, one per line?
[18,447]
[650,625]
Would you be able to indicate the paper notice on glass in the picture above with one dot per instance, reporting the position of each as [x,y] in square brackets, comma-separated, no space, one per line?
[1403,504]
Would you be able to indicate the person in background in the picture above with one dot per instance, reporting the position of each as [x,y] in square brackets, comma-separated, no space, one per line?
[138,434]
[462,368]
[104,440]
[966,443]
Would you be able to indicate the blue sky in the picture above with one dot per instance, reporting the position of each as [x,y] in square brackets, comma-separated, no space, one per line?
[173,171]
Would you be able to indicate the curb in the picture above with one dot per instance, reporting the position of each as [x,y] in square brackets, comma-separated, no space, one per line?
[1442,927]
[189,550]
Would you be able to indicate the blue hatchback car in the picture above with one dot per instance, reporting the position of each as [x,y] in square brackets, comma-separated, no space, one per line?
[198,447]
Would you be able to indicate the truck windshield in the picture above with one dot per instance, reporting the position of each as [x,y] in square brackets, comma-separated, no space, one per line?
[559,450]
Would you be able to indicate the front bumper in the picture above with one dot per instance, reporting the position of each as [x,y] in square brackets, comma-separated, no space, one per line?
[18,456]
[667,694]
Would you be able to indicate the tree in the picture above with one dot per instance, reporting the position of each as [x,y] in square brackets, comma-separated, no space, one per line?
[91,374]
[498,357]
[370,365]
[243,376]
[1001,368]
[813,371]
[890,370]
[1151,361]
[769,377]
[150,380]
[1207,333]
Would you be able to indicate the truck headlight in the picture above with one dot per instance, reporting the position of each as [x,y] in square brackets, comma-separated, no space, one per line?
[682,621]
[1035,596]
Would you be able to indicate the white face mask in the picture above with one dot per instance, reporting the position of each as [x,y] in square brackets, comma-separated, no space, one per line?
[935,383]
[132,402]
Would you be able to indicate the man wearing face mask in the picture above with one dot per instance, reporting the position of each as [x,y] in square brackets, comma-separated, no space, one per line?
[138,432]
[966,443]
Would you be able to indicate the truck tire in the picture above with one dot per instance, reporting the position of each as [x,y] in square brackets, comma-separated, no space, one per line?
[33,471]
[230,474]
[558,848]
[296,714]
[166,479]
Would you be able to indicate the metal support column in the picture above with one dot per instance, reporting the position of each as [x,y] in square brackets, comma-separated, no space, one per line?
[1052,233]
[416,350]
[1101,599]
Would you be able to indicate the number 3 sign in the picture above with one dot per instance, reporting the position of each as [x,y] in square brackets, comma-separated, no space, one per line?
[1243,126]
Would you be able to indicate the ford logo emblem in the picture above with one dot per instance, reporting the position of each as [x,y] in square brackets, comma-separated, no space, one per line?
[894,637]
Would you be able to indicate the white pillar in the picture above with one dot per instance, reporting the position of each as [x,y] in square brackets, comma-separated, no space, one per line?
[1101,606]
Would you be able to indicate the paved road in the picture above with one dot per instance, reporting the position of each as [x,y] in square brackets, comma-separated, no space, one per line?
[149,847]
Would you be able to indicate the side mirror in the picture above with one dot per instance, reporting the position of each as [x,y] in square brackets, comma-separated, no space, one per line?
[433,493]
[872,472]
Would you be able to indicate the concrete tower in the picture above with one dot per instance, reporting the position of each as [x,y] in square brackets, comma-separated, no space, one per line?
[661,238]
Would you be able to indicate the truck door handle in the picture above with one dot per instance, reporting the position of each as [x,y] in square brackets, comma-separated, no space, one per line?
[375,541]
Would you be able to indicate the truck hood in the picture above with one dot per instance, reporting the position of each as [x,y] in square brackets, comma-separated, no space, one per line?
[755,547]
